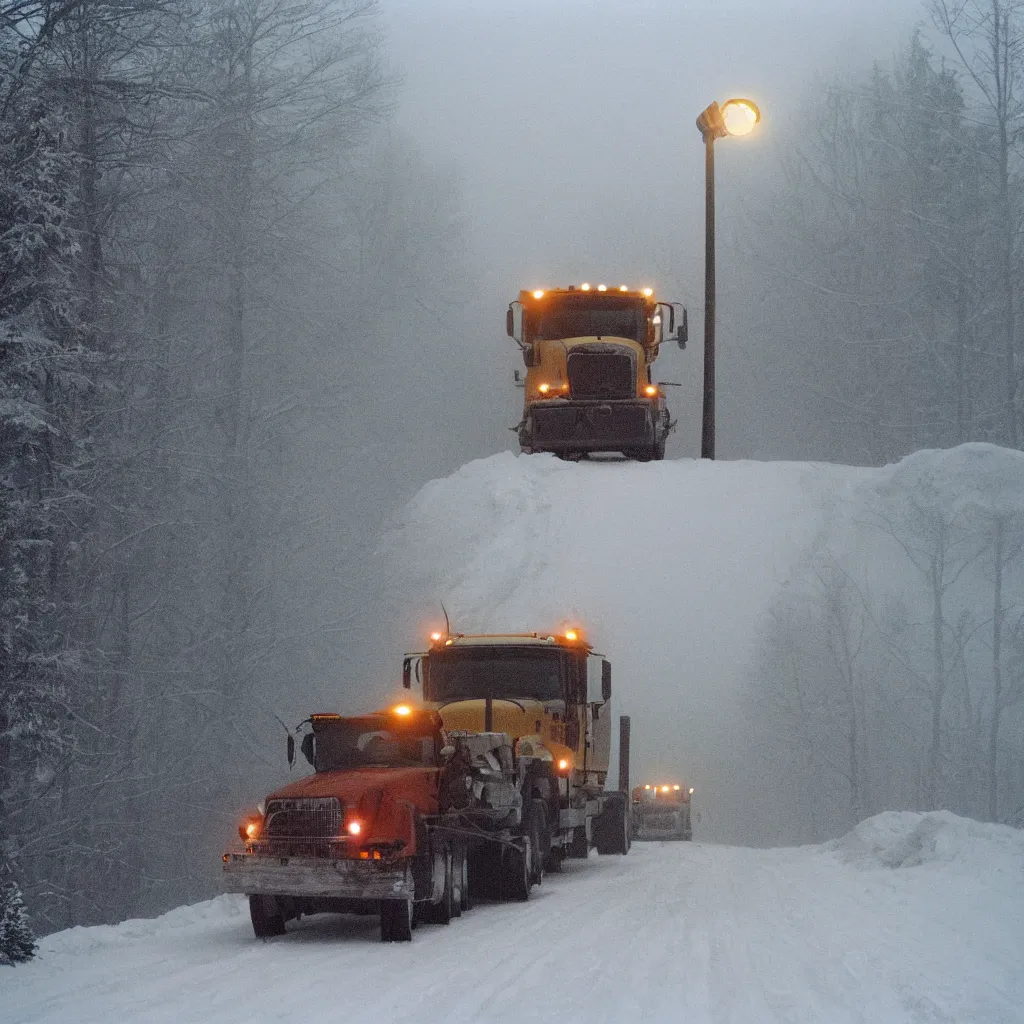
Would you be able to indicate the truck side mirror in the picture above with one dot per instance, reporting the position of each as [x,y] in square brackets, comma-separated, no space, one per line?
[291,750]
[407,673]
[510,322]
[307,749]
[606,680]
[684,330]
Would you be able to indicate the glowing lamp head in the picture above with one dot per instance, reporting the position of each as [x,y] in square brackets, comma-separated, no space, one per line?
[252,830]
[585,287]
[650,391]
[691,791]
[648,292]
[354,828]
[647,787]
[664,789]
[675,787]
[402,710]
[740,116]
[543,388]
[539,294]
[571,635]
[623,288]
[602,287]
[435,636]
[563,765]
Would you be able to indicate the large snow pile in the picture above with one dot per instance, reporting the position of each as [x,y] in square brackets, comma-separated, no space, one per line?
[673,568]
[674,931]
[904,839]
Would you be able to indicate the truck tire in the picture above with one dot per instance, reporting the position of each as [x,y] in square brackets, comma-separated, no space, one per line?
[611,831]
[460,876]
[443,911]
[516,874]
[396,920]
[540,839]
[579,848]
[553,861]
[267,919]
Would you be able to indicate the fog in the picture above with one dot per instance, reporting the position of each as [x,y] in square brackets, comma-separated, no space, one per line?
[253,291]
[572,127]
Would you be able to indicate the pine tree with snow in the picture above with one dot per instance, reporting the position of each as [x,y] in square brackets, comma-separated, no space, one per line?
[17,943]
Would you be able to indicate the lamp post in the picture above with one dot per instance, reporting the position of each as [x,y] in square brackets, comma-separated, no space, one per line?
[734,117]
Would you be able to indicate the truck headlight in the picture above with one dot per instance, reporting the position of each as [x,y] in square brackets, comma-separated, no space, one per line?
[250,829]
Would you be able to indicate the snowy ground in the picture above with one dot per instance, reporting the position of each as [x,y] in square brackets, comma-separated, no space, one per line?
[911,917]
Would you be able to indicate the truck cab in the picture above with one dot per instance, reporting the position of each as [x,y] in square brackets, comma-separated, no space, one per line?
[588,353]
[550,693]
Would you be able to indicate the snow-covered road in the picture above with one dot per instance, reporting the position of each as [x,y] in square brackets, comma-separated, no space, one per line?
[910,918]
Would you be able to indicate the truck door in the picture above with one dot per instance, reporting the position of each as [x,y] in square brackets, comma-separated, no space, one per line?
[599,719]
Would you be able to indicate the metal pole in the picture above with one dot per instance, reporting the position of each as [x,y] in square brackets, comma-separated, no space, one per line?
[624,755]
[707,437]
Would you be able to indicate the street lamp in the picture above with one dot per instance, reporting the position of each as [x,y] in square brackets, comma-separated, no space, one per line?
[734,117]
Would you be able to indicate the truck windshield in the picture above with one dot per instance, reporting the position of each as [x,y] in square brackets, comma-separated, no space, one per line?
[513,673]
[345,745]
[576,319]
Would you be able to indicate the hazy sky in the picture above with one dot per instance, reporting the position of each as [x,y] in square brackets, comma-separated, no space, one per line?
[572,123]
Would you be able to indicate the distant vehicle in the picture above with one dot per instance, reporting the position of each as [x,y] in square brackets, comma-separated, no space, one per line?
[588,352]
[662,811]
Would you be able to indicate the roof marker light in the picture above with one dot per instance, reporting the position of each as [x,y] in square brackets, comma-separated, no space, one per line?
[539,294]
[585,287]
[435,636]
[623,288]
[570,634]
[648,292]
[691,791]
[602,287]
[403,710]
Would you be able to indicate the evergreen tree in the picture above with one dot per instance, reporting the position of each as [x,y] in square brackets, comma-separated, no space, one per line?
[17,943]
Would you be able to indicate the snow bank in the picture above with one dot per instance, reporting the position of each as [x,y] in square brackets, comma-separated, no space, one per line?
[672,568]
[904,839]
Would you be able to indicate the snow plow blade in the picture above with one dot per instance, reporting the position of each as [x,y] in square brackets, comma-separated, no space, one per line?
[316,877]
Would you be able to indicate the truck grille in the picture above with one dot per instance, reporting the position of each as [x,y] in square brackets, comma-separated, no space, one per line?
[601,371]
[304,818]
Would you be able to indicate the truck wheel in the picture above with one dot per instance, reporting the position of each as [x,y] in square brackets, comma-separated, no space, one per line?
[396,920]
[443,911]
[611,831]
[460,874]
[516,871]
[553,861]
[267,919]
[579,848]
[540,839]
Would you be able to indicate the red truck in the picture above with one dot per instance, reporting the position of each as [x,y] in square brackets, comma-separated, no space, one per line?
[387,823]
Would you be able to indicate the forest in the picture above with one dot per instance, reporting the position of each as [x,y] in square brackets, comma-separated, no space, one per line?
[213,242]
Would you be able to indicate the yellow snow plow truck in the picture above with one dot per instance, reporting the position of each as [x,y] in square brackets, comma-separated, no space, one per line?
[662,811]
[550,693]
[588,352]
